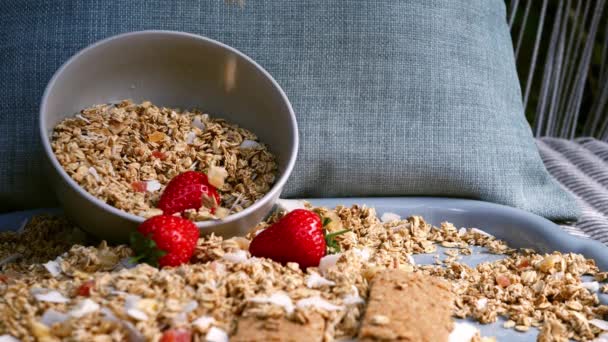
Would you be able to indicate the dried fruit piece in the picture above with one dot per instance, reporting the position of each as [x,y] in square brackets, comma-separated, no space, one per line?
[156,137]
[139,186]
[159,155]
[85,288]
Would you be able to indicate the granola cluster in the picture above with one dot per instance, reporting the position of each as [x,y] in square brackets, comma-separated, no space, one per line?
[125,154]
[42,296]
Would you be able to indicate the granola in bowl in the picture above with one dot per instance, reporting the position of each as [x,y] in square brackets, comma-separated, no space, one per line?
[94,293]
[125,154]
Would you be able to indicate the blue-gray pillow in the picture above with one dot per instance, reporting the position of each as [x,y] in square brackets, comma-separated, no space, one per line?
[392,97]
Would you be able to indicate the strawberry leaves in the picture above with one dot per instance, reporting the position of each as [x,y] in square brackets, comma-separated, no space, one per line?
[333,246]
[145,249]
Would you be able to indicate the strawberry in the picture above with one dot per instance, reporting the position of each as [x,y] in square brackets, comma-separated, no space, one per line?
[165,240]
[176,335]
[188,190]
[297,237]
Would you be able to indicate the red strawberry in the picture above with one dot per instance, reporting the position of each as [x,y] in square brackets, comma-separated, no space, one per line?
[176,335]
[188,190]
[297,237]
[165,240]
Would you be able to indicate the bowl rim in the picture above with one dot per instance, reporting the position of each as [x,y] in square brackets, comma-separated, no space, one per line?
[257,205]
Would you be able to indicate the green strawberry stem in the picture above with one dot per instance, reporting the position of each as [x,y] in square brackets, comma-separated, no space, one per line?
[145,249]
[330,240]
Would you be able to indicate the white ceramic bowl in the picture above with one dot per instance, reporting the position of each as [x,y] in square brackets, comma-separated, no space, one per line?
[172,69]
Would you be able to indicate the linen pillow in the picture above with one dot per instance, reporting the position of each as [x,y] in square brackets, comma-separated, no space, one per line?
[392,97]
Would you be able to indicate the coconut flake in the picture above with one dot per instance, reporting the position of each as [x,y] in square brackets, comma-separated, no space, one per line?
[353,298]
[217,175]
[85,307]
[216,335]
[94,173]
[237,257]
[319,303]
[51,317]
[558,276]
[601,338]
[190,138]
[107,313]
[203,322]
[328,261]
[131,308]
[462,332]
[51,297]
[289,205]
[277,298]
[190,306]
[592,286]
[83,118]
[481,303]
[363,253]
[249,144]
[198,123]
[54,267]
[152,185]
[8,338]
[410,258]
[599,323]
[462,231]
[481,232]
[314,280]
[389,217]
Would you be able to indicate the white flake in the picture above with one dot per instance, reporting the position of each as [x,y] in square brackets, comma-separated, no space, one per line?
[389,217]
[410,258]
[51,297]
[152,185]
[289,205]
[363,253]
[190,306]
[190,138]
[249,144]
[462,231]
[599,323]
[203,322]
[319,303]
[54,266]
[237,257]
[328,261]
[216,335]
[8,338]
[592,286]
[94,173]
[314,280]
[601,338]
[277,298]
[87,306]
[481,303]
[83,118]
[462,332]
[353,298]
[198,123]
[51,317]
[131,308]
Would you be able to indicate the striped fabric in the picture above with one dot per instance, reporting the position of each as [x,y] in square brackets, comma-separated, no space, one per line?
[581,166]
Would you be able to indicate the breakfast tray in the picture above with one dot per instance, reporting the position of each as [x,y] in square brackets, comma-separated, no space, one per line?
[518,228]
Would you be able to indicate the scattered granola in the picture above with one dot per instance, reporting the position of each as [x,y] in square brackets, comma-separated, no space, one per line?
[125,153]
[75,291]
